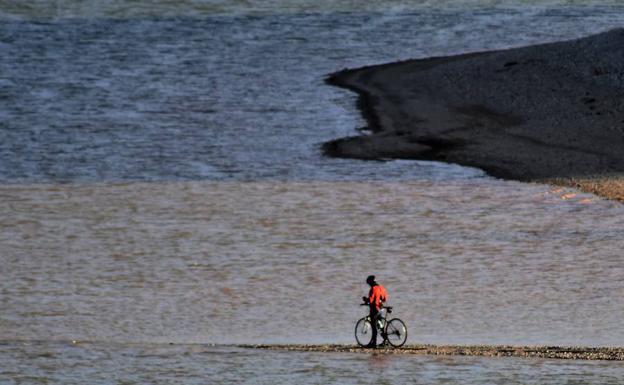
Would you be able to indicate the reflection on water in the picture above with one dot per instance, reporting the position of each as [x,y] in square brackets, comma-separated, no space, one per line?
[481,262]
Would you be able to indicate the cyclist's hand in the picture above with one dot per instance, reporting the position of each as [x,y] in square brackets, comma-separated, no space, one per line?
[365,299]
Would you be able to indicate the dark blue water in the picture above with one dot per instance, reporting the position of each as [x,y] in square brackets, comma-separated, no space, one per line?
[225,97]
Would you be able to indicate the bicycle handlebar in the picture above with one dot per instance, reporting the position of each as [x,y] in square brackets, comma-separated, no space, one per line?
[382,306]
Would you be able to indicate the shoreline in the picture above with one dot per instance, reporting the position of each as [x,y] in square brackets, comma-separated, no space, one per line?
[550,113]
[545,352]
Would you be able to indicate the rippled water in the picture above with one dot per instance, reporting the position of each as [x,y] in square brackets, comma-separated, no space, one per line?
[198,364]
[464,262]
[42,9]
[224,97]
[162,184]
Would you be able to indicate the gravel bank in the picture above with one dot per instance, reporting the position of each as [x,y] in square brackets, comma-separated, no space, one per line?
[555,352]
[550,113]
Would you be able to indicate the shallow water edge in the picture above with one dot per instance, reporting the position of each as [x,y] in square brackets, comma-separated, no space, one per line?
[550,352]
[431,109]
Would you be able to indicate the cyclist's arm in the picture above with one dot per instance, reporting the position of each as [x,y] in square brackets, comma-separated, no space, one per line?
[372,297]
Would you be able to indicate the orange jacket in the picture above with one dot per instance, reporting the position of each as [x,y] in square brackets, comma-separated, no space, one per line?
[377,295]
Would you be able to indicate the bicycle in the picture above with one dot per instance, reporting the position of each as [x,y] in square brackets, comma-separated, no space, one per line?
[393,332]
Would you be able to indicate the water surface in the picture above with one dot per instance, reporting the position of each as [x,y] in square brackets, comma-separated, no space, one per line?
[201,364]
[230,262]
[226,96]
[163,190]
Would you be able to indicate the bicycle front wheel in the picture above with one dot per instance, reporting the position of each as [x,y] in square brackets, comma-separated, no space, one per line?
[396,332]
[363,331]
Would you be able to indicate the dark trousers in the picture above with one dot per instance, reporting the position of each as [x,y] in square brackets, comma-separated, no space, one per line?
[374,314]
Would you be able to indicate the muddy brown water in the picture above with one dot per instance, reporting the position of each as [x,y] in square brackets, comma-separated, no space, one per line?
[464,262]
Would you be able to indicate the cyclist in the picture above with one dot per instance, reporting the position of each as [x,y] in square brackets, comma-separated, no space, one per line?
[377,295]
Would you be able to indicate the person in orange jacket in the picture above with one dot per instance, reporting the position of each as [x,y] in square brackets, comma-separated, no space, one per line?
[377,295]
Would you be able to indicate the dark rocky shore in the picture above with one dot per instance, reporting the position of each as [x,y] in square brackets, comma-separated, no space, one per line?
[551,113]
[555,352]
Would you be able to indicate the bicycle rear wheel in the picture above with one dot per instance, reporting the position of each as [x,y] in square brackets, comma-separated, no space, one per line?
[396,332]
[363,331]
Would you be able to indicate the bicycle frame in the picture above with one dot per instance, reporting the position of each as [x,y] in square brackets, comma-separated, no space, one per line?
[393,331]
[381,316]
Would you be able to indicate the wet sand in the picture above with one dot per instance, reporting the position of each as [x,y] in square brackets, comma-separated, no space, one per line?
[553,352]
[551,113]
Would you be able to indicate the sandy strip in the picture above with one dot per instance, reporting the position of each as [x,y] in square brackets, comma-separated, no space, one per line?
[550,113]
[554,352]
